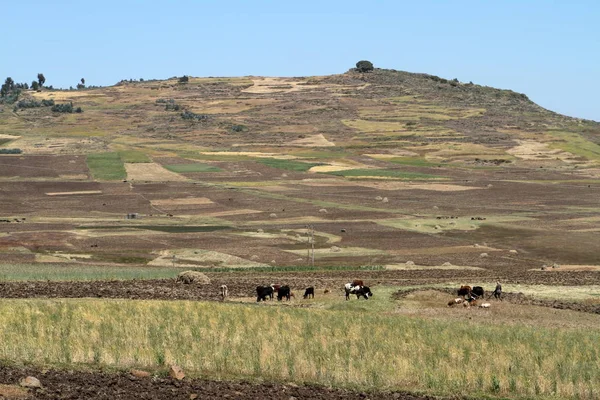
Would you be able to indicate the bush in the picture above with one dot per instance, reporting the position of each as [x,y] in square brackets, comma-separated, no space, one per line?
[78,110]
[364,66]
[193,116]
[173,107]
[184,79]
[63,108]
[11,151]
[35,104]
[238,128]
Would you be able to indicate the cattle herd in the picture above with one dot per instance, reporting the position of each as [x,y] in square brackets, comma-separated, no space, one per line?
[468,296]
[263,293]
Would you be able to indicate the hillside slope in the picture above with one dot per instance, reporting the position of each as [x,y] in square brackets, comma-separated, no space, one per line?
[387,166]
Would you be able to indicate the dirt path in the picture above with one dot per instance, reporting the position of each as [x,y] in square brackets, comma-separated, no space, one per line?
[124,386]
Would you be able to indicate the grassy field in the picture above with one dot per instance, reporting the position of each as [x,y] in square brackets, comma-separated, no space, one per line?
[306,345]
[287,164]
[106,166]
[182,168]
[132,156]
[54,272]
[386,173]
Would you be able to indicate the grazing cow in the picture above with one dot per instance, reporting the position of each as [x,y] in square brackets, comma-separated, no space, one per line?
[464,291]
[477,291]
[359,291]
[284,291]
[485,305]
[364,291]
[262,292]
[458,300]
[357,282]
[309,292]
[224,292]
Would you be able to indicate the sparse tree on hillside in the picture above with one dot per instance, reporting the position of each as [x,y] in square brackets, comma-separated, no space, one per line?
[364,66]
[41,79]
[82,81]
[184,79]
[35,85]
[7,87]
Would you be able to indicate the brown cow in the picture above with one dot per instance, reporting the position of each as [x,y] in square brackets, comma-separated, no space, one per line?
[464,291]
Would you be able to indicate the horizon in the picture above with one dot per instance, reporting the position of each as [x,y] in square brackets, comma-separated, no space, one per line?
[533,48]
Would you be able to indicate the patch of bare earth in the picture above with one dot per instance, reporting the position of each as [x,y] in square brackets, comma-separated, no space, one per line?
[96,385]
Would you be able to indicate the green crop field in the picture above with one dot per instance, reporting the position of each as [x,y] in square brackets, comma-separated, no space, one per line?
[106,166]
[183,168]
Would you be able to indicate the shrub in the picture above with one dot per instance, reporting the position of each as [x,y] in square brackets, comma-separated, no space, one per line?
[78,110]
[184,79]
[63,108]
[172,107]
[11,151]
[35,85]
[238,128]
[193,116]
[35,104]
[364,66]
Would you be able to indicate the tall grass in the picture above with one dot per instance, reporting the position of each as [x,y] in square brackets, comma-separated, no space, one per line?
[73,272]
[339,348]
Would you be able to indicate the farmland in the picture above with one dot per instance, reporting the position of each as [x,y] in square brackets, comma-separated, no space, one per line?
[414,185]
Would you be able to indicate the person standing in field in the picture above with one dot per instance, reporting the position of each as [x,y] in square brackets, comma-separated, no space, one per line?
[498,291]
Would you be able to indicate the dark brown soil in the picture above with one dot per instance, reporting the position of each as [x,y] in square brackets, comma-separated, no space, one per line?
[124,386]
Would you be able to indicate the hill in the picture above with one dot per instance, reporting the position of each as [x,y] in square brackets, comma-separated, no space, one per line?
[229,171]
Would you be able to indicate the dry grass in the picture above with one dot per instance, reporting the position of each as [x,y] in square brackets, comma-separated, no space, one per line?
[308,345]
[151,172]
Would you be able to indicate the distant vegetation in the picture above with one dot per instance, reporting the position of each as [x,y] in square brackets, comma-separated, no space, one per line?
[364,66]
[106,166]
[195,167]
[287,164]
[188,115]
[66,108]
[388,173]
[184,79]
[35,104]
[11,151]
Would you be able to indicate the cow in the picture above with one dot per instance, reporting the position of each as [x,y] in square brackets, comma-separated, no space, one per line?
[309,292]
[357,282]
[284,291]
[477,291]
[262,292]
[464,291]
[364,291]
[358,291]
[224,292]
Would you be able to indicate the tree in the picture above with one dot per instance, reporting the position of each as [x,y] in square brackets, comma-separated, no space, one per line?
[41,79]
[82,81]
[364,66]
[184,79]
[9,86]
[35,85]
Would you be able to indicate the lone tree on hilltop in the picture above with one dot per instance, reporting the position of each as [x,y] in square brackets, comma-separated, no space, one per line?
[364,66]
[41,79]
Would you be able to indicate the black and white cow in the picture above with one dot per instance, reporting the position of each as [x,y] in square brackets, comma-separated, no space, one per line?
[359,291]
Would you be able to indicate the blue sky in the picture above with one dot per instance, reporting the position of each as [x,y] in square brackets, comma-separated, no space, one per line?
[547,49]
